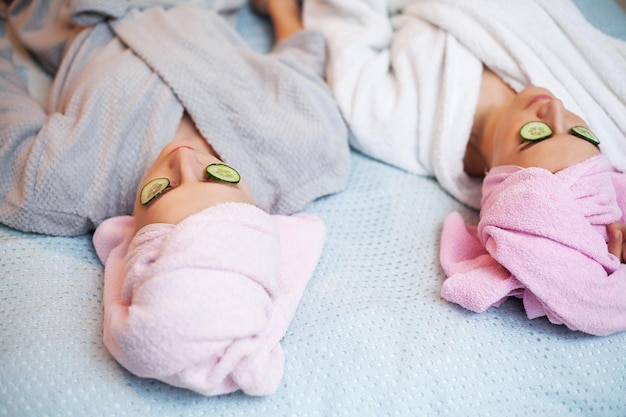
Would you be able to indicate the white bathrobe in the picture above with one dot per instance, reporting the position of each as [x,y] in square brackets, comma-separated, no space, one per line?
[406,74]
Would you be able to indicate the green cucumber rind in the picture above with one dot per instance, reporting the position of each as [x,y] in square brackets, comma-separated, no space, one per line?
[586,134]
[223,173]
[149,192]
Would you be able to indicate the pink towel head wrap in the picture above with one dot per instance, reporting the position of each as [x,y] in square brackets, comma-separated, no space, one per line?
[585,190]
[204,304]
[542,237]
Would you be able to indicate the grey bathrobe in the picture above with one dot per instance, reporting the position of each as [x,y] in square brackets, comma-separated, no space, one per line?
[125,73]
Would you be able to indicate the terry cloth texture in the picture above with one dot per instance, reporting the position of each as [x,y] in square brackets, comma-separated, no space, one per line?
[118,98]
[542,237]
[407,73]
[205,303]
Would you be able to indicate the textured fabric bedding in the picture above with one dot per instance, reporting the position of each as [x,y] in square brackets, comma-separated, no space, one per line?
[371,337]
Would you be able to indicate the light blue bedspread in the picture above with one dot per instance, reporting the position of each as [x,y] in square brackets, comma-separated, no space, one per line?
[372,336]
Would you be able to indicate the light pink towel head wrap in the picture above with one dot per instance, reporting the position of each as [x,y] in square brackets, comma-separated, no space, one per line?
[204,304]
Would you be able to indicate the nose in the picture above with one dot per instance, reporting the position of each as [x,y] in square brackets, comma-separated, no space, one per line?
[553,113]
[186,166]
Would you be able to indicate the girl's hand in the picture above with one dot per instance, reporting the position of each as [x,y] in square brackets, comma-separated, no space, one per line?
[284,15]
[260,6]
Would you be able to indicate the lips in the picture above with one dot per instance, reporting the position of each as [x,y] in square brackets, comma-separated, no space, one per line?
[536,99]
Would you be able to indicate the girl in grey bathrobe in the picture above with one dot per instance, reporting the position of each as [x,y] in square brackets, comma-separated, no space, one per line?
[133,76]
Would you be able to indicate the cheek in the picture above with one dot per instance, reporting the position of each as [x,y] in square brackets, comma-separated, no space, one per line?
[504,136]
[141,215]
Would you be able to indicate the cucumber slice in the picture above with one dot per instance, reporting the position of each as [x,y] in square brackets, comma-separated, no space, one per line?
[586,134]
[153,189]
[536,130]
[223,172]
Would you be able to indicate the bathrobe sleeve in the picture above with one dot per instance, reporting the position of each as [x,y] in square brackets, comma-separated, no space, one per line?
[44,28]
[23,123]
[384,71]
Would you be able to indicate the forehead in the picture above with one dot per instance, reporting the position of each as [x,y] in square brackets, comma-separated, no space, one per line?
[189,198]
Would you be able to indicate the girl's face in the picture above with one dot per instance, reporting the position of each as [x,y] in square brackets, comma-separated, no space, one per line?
[190,191]
[504,145]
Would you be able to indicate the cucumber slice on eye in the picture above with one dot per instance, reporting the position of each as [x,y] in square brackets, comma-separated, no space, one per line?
[586,134]
[223,172]
[536,130]
[153,189]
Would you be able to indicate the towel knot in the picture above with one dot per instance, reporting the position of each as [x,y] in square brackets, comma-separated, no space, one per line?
[535,200]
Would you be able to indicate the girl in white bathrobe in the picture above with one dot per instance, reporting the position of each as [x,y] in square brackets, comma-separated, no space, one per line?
[445,88]
[416,79]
